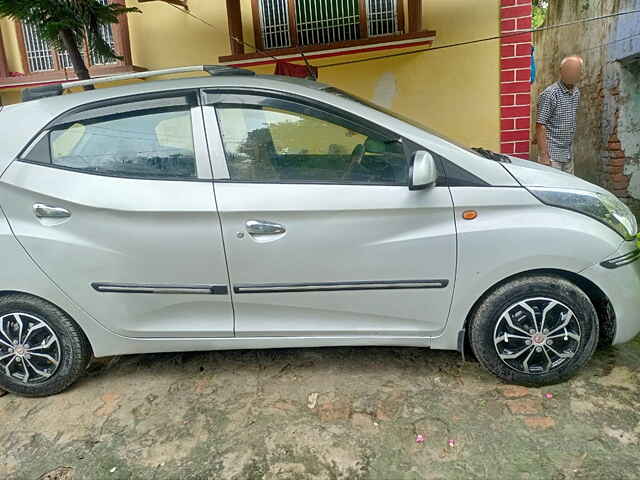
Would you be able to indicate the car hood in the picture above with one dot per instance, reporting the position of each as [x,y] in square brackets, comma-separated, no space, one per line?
[533,174]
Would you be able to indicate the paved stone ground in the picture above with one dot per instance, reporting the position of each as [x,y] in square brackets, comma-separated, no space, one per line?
[334,413]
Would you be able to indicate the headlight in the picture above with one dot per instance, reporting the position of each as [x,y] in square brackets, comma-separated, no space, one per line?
[604,207]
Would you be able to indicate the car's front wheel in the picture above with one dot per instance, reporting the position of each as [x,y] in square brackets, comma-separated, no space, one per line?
[535,330]
[42,351]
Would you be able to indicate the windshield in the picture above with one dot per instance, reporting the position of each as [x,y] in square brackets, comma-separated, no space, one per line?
[410,121]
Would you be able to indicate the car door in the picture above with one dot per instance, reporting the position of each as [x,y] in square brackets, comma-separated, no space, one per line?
[115,203]
[323,236]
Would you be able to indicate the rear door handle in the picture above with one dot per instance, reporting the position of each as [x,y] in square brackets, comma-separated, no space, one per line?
[47,211]
[263,227]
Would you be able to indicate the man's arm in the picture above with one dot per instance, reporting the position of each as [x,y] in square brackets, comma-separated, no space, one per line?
[546,107]
[543,148]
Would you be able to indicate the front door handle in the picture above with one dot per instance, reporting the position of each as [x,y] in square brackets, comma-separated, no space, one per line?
[47,211]
[262,227]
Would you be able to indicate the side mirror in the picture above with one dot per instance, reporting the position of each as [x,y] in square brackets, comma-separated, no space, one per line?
[422,170]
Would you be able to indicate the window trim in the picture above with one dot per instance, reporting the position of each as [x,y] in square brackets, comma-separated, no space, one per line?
[202,163]
[300,105]
[293,30]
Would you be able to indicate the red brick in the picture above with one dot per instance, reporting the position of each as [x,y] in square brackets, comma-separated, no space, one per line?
[507,100]
[523,99]
[614,170]
[514,112]
[514,391]
[524,23]
[508,75]
[523,123]
[616,154]
[617,162]
[515,12]
[515,62]
[523,49]
[615,146]
[523,2]
[515,87]
[620,185]
[516,38]
[337,410]
[523,147]
[523,74]
[507,51]
[515,135]
[619,178]
[541,423]
[508,124]
[508,3]
[507,25]
[507,148]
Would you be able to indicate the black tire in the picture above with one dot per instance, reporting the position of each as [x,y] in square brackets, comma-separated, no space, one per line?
[487,323]
[73,353]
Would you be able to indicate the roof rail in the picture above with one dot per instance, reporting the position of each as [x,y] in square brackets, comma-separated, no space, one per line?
[57,89]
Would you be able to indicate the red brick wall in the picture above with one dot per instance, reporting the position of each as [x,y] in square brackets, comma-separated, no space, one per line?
[515,75]
[613,164]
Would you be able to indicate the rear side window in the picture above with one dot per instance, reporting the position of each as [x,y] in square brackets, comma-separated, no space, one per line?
[141,143]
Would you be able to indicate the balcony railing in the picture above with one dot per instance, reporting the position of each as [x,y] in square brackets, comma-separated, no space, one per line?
[291,23]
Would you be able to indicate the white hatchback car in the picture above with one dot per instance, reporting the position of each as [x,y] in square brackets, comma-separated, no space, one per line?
[241,211]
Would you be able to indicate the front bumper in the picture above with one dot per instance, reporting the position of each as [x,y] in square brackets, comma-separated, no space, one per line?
[619,278]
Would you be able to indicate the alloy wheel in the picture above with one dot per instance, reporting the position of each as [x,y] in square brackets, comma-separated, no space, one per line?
[537,335]
[29,349]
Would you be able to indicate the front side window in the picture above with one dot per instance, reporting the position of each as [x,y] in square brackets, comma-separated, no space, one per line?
[267,144]
[154,143]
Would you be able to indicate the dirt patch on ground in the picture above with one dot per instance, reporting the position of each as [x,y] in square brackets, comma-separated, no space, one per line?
[333,413]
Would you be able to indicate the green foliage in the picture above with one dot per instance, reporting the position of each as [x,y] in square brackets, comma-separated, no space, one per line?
[82,18]
[540,8]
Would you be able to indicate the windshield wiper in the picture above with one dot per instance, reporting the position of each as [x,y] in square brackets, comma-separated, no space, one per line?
[498,157]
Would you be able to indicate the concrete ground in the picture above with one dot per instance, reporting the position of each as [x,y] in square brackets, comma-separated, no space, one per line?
[333,413]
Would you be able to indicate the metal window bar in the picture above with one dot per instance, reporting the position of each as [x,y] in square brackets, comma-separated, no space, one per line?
[274,22]
[65,61]
[382,17]
[38,52]
[327,21]
[106,32]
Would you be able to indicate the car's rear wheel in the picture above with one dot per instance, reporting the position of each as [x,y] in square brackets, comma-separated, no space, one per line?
[42,351]
[534,331]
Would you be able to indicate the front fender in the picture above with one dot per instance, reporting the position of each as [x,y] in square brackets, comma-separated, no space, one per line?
[515,233]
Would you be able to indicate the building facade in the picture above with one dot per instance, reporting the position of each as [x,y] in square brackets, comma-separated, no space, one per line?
[477,93]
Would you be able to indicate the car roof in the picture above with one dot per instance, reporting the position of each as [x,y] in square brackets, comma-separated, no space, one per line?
[276,82]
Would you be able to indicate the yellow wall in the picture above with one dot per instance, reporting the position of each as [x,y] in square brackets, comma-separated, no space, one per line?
[11,45]
[454,90]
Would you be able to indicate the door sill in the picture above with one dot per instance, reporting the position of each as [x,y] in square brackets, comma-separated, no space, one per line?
[124,345]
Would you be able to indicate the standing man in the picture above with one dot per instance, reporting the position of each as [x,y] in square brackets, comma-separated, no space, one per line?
[556,122]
